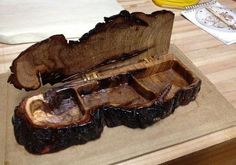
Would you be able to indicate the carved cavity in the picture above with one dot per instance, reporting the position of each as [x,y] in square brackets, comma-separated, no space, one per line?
[54,108]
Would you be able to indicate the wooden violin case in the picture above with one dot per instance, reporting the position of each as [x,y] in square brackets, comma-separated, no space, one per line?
[120,73]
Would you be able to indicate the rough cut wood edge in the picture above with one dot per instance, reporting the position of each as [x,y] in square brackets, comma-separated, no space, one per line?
[39,140]
[55,50]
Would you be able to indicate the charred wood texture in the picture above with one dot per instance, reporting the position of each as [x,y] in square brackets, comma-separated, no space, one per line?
[144,117]
[38,140]
[41,140]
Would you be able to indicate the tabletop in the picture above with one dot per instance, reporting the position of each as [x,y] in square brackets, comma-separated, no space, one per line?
[215,60]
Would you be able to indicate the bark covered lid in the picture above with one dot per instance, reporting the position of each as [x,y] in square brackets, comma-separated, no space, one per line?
[121,37]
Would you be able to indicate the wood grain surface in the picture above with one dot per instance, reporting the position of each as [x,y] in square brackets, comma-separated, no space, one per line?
[214,59]
[221,154]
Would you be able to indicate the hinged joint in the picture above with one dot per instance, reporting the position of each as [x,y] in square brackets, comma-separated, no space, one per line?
[148,59]
[90,76]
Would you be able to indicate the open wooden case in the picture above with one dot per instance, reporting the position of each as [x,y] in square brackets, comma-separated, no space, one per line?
[135,88]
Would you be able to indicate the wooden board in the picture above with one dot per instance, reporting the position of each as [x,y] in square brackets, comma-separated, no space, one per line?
[209,113]
[223,153]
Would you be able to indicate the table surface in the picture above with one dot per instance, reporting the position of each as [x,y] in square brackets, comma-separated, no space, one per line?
[216,61]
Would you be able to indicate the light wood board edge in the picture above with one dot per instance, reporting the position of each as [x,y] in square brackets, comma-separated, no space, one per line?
[3,128]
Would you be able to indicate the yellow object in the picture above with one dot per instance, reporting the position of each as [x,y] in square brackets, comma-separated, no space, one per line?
[175,3]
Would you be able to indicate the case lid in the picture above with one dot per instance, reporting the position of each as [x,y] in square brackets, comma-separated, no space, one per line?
[123,39]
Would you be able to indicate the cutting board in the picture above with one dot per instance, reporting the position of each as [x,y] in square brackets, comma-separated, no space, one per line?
[209,113]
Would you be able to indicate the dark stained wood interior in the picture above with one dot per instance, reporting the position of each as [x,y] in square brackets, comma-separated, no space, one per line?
[138,88]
